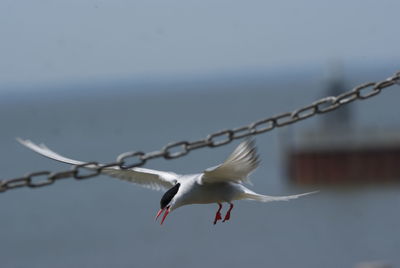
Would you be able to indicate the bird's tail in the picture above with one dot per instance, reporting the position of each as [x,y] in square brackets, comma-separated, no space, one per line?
[267,198]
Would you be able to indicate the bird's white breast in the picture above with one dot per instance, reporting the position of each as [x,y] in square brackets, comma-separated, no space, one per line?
[192,191]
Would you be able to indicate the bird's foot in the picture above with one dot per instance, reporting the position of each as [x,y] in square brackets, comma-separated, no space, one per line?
[228,213]
[218,217]
[218,214]
[227,216]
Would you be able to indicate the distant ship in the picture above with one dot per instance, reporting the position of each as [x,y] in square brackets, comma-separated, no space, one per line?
[336,153]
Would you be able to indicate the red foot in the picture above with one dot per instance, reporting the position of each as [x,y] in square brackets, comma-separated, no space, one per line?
[228,213]
[218,214]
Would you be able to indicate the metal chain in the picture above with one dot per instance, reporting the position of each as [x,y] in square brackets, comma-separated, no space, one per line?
[178,149]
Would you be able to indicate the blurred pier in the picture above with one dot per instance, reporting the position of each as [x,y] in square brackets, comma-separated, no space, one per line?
[359,157]
[339,152]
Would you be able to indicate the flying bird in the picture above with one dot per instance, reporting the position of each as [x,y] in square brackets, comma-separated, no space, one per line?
[219,184]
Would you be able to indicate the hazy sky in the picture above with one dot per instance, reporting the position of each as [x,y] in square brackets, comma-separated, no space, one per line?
[46,41]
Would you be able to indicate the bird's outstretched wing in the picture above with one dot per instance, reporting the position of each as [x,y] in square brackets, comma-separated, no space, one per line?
[153,179]
[236,167]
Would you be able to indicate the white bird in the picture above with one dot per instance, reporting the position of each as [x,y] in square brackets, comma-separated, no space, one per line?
[220,184]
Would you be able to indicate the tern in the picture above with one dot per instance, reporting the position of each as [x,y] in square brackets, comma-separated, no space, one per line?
[219,184]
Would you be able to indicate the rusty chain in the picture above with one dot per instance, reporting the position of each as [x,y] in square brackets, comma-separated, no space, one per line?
[178,149]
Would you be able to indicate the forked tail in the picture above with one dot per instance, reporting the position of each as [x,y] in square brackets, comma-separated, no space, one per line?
[267,198]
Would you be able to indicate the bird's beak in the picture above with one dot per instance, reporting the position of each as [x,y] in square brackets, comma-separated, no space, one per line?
[159,213]
[165,214]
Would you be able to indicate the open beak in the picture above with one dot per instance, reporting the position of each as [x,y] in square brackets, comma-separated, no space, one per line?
[165,214]
[159,213]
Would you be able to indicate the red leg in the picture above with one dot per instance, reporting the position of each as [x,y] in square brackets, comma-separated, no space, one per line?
[218,214]
[228,213]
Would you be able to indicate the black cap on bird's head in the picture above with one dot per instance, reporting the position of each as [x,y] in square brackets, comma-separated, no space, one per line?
[165,200]
[167,197]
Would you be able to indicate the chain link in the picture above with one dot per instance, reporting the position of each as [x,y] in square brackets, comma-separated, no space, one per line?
[179,149]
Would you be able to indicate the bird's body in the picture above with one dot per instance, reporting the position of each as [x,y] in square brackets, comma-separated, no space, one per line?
[220,184]
[193,191]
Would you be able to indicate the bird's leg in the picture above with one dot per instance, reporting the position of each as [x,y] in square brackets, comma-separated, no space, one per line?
[218,214]
[228,213]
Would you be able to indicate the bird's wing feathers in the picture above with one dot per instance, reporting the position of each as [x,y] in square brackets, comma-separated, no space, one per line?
[153,179]
[149,178]
[236,167]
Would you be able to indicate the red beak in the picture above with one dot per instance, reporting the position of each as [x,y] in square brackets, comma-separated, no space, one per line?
[159,213]
[165,214]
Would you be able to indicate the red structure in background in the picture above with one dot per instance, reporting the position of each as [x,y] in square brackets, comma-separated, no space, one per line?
[309,167]
[339,153]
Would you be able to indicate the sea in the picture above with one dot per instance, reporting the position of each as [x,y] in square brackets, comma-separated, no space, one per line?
[106,222]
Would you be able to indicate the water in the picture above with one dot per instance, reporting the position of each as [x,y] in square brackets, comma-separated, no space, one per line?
[104,222]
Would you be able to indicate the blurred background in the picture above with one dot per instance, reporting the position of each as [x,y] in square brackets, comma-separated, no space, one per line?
[93,79]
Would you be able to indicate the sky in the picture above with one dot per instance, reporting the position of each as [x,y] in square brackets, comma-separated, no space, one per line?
[54,41]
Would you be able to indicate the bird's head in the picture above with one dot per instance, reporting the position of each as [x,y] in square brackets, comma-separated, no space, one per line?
[166,201]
